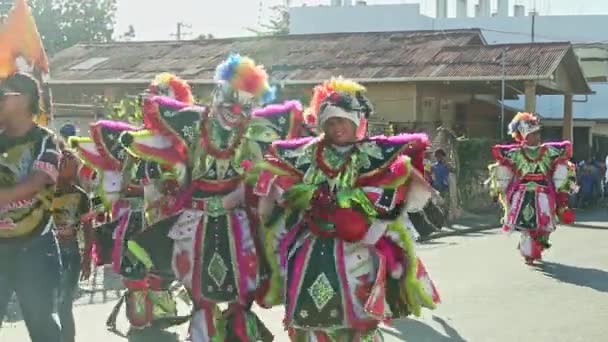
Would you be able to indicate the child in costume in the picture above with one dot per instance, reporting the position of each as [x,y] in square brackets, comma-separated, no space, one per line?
[533,182]
[336,210]
[123,183]
[217,253]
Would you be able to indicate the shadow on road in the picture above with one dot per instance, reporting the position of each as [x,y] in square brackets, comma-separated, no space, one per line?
[413,330]
[588,226]
[153,335]
[586,277]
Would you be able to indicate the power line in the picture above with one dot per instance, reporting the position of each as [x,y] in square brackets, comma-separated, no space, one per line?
[180,33]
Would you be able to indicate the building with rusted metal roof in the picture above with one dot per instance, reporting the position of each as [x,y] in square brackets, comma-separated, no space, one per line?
[416,79]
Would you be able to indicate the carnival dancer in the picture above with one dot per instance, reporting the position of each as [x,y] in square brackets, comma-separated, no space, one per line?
[72,216]
[125,185]
[533,182]
[339,236]
[217,252]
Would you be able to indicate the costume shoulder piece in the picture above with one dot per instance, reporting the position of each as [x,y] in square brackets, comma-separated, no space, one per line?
[502,152]
[294,155]
[559,150]
[272,123]
[377,153]
[177,121]
[171,129]
[102,150]
[555,151]
[382,151]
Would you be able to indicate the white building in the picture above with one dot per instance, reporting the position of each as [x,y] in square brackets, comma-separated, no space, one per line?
[403,17]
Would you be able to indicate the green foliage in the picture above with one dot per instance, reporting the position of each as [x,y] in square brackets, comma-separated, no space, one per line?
[474,156]
[128,109]
[278,25]
[64,23]
[389,130]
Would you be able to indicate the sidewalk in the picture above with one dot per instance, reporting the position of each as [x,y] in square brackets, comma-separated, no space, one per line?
[469,223]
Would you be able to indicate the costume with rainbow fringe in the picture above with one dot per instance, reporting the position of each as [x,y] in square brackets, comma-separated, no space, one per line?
[533,184]
[128,188]
[216,250]
[339,239]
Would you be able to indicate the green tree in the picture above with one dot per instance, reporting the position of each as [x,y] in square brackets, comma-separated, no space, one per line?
[128,109]
[64,23]
[278,25]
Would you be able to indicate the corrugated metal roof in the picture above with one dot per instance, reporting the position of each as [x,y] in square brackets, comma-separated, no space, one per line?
[375,56]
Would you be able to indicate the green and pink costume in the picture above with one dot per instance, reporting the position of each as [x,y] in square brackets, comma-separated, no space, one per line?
[339,239]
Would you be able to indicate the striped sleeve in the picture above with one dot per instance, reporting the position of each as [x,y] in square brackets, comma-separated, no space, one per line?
[48,157]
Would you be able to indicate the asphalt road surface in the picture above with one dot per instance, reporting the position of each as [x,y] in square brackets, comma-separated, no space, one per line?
[488,294]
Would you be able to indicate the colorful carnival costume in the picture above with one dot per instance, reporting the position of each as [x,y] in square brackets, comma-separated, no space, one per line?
[217,253]
[339,240]
[128,187]
[533,183]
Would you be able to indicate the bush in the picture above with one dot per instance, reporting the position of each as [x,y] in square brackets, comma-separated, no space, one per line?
[474,156]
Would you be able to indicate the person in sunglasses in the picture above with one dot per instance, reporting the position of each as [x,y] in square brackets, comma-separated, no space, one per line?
[29,160]
[72,214]
[335,209]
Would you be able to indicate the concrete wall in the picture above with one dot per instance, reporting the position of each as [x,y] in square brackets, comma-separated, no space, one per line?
[376,18]
[393,102]
[84,94]
[594,61]
[408,105]
[87,94]
[600,128]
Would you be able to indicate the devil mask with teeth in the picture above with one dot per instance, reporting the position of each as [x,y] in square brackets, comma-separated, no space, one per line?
[241,86]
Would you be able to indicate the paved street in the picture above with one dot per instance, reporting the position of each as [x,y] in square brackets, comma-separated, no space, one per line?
[489,295]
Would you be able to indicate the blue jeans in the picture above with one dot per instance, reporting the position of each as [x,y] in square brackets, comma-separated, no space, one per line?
[70,274]
[31,270]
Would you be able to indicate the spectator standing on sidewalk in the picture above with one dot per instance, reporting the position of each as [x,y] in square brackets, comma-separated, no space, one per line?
[440,173]
[72,214]
[29,264]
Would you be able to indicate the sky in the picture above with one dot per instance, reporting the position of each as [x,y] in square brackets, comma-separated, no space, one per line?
[229,18]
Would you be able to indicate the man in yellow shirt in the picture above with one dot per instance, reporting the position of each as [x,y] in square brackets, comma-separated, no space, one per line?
[29,160]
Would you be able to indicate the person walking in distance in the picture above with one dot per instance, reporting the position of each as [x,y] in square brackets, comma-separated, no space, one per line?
[71,213]
[533,182]
[29,160]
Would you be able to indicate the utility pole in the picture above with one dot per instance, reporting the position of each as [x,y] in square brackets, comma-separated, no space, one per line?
[180,33]
[502,95]
[533,20]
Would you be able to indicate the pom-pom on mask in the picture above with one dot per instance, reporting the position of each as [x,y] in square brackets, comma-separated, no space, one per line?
[339,104]
[241,85]
[522,125]
[339,97]
[169,85]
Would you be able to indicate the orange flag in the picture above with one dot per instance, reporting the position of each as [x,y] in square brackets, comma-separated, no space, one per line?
[19,37]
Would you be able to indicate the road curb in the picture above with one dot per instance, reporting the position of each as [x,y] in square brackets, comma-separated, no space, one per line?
[465,231]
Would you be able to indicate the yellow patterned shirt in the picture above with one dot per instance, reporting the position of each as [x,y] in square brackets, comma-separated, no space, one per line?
[36,151]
